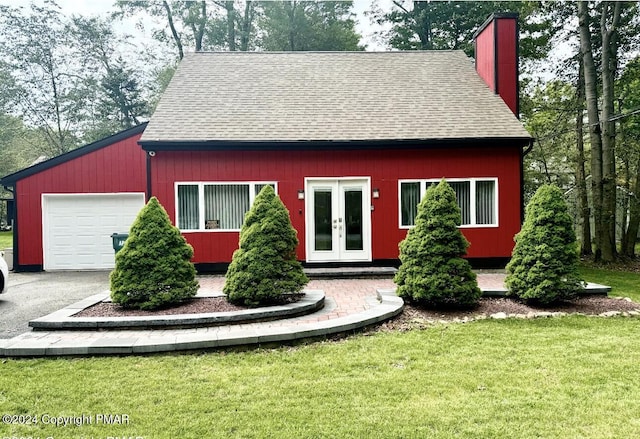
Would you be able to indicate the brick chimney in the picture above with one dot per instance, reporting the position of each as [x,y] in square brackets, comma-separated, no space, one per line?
[496,47]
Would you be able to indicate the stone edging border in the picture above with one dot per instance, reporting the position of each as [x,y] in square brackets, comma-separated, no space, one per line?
[384,305]
[537,315]
[63,319]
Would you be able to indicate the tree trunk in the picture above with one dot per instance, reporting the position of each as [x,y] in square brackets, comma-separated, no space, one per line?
[628,245]
[247,22]
[624,203]
[172,26]
[591,95]
[609,61]
[291,12]
[422,22]
[581,178]
[231,25]
[202,22]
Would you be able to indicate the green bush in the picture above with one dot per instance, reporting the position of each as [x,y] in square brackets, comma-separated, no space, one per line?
[432,270]
[544,264]
[153,269]
[265,268]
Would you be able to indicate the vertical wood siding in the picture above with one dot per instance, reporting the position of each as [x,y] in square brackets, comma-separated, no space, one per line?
[485,56]
[119,167]
[507,65]
[499,70]
[385,168]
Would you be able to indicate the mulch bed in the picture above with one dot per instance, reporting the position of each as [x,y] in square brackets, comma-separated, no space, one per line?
[193,306]
[414,316]
[410,317]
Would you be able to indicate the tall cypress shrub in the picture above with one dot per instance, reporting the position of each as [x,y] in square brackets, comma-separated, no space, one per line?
[544,264]
[264,268]
[154,268]
[433,271]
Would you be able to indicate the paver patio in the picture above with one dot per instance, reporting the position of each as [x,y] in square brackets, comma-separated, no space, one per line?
[350,304]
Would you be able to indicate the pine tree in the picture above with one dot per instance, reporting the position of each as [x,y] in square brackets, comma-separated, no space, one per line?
[265,268]
[544,264]
[154,268]
[432,270]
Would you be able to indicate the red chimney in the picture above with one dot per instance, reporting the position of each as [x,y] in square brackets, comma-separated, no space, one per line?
[496,47]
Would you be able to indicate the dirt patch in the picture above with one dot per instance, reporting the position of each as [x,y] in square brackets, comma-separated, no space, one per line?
[414,316]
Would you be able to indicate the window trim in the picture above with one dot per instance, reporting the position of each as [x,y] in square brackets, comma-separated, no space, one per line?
[201,202]
[423,188]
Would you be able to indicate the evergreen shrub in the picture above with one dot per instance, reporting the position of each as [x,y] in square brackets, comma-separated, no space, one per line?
[153,268]
[433,271]
[544,264]
[264,268]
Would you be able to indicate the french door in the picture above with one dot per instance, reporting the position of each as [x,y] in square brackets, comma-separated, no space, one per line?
[338,216]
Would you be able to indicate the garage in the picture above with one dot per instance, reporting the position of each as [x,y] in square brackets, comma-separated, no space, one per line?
[77,228]
[67,207]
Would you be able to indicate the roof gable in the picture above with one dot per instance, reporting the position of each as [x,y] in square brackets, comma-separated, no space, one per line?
[11,179]
[329,96]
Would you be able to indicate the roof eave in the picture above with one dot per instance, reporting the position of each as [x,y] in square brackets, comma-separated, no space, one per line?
[212,145]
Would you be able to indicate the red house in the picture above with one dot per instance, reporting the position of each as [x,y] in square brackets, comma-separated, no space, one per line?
[349,140]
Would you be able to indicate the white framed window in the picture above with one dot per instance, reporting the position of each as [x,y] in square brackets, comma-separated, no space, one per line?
[215,206]
[477,199]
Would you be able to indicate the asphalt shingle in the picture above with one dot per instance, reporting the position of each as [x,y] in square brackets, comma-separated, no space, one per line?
[337,96]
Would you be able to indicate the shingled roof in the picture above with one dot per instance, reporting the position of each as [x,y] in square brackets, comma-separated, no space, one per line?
[329,96]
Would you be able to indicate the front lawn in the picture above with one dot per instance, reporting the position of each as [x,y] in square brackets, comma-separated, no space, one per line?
[622,283]
[549,378]
[6,240]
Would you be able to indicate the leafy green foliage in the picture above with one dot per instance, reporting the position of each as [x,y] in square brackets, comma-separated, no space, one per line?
[432,270]
[36,49]
[544,265]
[153,269]
[265,267]
[295,26]
[421,25]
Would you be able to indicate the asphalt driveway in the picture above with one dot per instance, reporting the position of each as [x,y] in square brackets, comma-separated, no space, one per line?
[33,295]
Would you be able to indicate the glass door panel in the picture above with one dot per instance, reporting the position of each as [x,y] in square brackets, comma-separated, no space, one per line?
[353,219]
[322,217]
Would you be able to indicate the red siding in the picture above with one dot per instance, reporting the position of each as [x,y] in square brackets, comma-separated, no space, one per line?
[485,56]
[120,167]
[500,70]
[385,168]
[507,63]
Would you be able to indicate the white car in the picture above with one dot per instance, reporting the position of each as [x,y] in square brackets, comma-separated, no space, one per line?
[4,274]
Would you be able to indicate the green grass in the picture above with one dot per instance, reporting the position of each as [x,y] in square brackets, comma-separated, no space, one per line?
[622,283]
[573,377]
[6,240]
[565,377]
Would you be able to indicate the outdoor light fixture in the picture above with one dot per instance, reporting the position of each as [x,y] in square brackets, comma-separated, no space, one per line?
[376,193]
[300,194]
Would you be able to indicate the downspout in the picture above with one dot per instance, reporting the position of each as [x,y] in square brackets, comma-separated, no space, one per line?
[523,153]
[149,191]
[14,226]
[529,148]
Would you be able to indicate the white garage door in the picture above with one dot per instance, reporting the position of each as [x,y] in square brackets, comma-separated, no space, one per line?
[77,228]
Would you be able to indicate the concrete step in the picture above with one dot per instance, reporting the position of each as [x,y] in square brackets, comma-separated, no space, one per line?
[349,272]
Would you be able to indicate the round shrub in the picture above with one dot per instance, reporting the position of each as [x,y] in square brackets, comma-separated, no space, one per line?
[432,270]
[264,268]
[154,268]
[544,264]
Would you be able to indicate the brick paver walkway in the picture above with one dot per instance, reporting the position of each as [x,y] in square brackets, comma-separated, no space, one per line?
[349,304]
[347,296]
